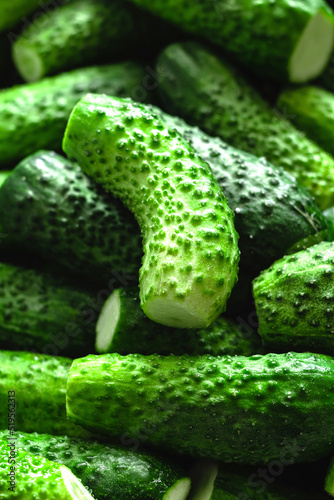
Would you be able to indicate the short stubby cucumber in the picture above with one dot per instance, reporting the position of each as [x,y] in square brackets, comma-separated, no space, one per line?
[33,116]
[209,92]
[12,11]
[283,39]
[34,385]
[24,475]
[191,255]
[43,312]
[110,471]
[229,408]
[311,109]
[122,327]
[60,214]
[294,301]
[272,211]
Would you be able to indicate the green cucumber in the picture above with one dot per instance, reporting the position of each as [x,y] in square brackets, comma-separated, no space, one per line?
[13,11]
[329,214]
[110,471]
[34,116]
[272,212]
[66,218]
[311,109]
[206,91]
[230,408]
[284,40]
[191,256]
[23,476]
[37,382]
[4,174]
[294,301]
[82,32]
[122,327]
[44,312]
[329,480]
[326,79]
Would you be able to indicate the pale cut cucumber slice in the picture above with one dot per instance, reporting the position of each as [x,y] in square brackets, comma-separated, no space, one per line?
[28,62]
[179,490]
[203,475]
[309,58]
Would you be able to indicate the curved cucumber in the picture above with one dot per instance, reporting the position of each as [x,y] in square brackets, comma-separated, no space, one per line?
[294,301]
[272,211]
[37,477]
[190,245]
[33,116]
[60,214]
[206,91]
[283,40]
[110,471]
[37,385]
[235,409]
[122,327]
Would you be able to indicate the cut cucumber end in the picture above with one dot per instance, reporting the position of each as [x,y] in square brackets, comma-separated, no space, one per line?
[27,62]
[179,491]
[173,313]
[107,323]
[309,59]
[203,476]
[74,487]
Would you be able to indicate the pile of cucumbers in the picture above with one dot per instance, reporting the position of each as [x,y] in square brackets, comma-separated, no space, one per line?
[166,249]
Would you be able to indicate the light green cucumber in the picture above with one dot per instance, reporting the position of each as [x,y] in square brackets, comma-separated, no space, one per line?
[311,109]
[230,408]
[33,116]
[284,39]
[191,256]
[24,475]
[294,301]
[36,384]
[60,214]
[122,327]
[209,92]
[4,174]
[110,471]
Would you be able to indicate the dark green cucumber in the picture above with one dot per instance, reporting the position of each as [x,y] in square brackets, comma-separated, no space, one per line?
[80,33]
[294,301]
[122,327]
[66,218]
[23,476]
[283,39]
[206,91]
[191,255]
[110,471]
[37,382]
[329,481]
[329,214]
[13,11]
[235,409]
[45,313]
[311,109]
[272,212]
[33,116]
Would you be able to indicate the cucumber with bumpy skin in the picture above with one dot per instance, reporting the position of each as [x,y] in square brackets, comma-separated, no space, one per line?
[37,383]
[283,39]
[60,214]
[110,471]
[294,301]
[34,115]
[230,408]
[122,327]
[191,255]
[206,91]
[37,477]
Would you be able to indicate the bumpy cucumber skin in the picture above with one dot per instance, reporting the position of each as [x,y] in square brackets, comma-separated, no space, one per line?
[60,214]
[294,301]
[272,211]
[190,244]
[12,11]
[207,91]
[311,109]
[109,471]
[33,116]
[39,383]
[235,409]
[136,333]
[43,312]
[261,35]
